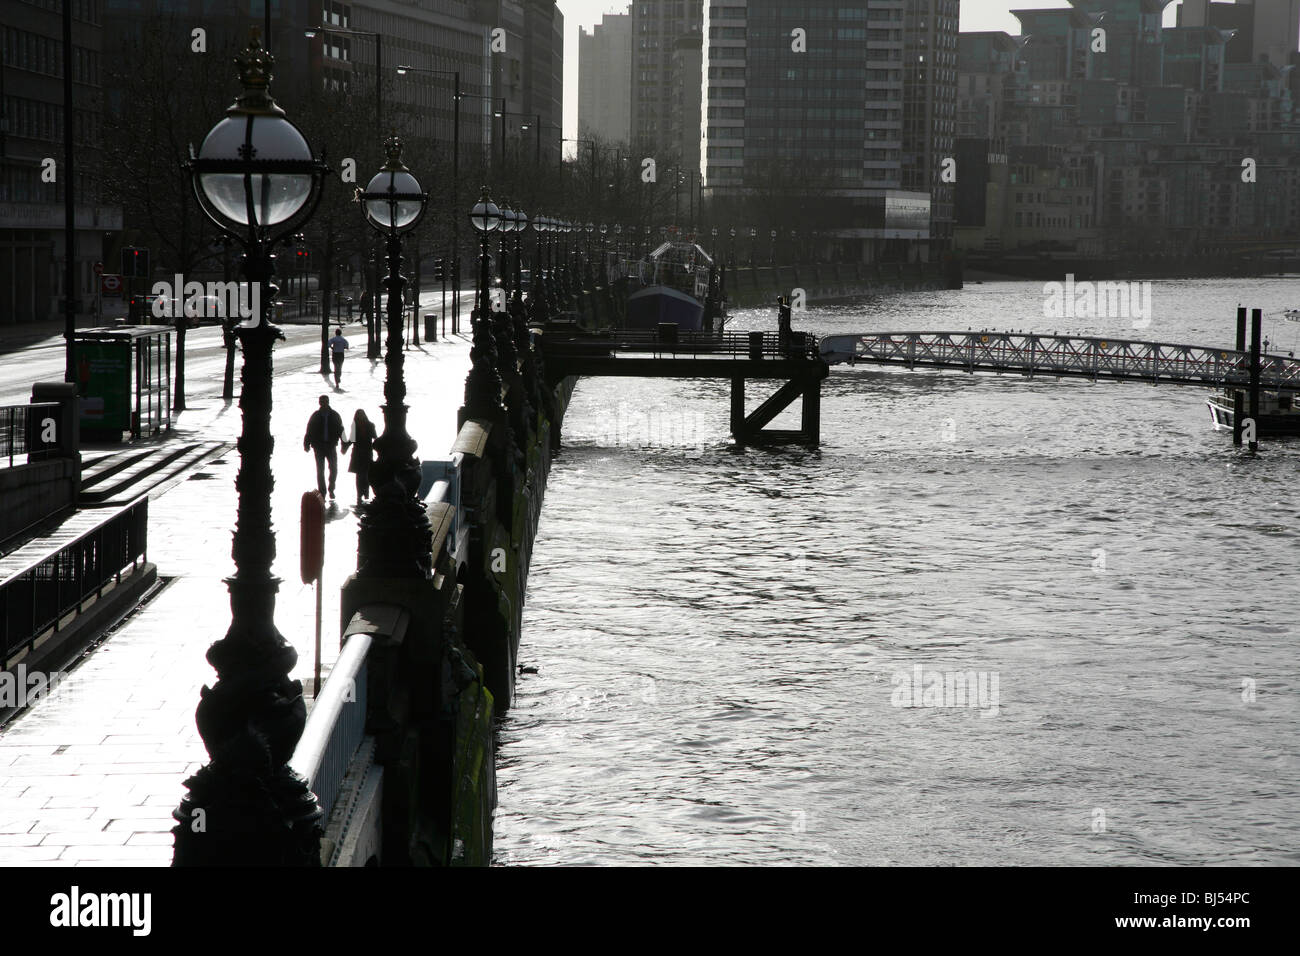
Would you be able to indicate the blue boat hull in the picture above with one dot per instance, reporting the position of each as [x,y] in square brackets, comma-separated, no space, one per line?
[658,303]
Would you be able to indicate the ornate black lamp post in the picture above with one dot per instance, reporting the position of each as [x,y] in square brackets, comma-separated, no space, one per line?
[483,384]
[772,252]
[732,253]
[591,228]
[486,218]
[393,537]
[542,227]
[507,227]
[256,179]
[521,225]
[753,246]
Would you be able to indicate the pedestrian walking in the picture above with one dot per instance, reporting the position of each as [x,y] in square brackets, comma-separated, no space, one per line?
[324,430]
[362,438]
[338,345]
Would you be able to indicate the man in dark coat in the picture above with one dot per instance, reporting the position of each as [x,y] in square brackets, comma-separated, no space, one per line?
[324,430]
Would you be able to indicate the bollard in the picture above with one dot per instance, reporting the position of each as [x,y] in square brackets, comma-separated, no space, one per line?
[431,327]
[756,345]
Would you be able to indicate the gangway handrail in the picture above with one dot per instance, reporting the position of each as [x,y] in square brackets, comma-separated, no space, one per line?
[1064,355]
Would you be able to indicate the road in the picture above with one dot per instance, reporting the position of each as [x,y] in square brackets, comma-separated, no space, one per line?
[205,356]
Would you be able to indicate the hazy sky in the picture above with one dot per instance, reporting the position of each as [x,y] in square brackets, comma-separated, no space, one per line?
[975,15]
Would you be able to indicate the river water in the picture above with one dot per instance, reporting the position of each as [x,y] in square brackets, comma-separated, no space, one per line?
[758,656]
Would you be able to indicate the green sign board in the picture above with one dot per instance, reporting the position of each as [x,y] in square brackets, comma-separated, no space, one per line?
[104,378]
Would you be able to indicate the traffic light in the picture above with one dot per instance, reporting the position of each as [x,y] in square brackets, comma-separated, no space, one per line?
[439,270]
[135,262]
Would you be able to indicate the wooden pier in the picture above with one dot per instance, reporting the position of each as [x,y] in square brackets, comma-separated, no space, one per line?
[793,359]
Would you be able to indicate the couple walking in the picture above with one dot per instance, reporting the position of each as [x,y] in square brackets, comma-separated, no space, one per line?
[325,431]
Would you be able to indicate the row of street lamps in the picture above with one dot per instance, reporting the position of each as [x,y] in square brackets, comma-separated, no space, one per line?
[256,178]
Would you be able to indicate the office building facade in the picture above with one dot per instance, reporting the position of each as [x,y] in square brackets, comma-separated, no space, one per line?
[32,216]
[852,106]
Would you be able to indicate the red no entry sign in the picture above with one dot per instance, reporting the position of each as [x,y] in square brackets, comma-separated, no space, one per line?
[99,268]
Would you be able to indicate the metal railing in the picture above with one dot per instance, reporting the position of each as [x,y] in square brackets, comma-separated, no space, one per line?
[336,725]
[1060,355]
[694,344]
[37,596]
[16,430]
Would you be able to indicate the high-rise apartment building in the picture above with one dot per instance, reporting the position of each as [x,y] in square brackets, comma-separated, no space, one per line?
[930,108]
[605,79]
[1266,29]
[665,91]
[851,104]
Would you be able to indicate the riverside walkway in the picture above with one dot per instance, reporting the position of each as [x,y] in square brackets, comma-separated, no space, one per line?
[90,774]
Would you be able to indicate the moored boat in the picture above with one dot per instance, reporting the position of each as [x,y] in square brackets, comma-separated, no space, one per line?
[1279,414]
[677,285]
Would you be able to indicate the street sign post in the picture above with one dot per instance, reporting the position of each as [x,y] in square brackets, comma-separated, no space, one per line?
[311,559]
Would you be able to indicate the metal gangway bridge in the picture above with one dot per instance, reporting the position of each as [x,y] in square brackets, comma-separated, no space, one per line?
[1064,355]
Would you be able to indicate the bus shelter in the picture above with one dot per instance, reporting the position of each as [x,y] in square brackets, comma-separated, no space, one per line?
[124,379]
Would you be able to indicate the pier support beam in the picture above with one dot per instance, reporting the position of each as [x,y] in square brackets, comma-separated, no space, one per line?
[737,404]
[752,429]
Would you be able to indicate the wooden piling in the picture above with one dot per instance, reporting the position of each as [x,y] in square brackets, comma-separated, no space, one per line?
[1238,411]
[1256,321]
[738,406]
[811,422]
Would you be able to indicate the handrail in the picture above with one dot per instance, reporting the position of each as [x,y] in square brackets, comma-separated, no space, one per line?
[1087,356]
[37,595]
[726,343]
[329,740]
[15,428]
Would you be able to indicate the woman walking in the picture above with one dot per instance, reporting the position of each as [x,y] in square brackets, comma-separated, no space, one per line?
[363,436]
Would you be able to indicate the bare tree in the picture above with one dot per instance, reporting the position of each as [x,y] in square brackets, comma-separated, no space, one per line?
[161,97]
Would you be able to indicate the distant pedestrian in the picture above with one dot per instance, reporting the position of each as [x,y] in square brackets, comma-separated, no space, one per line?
[362,437]
[324,430]
[338,345]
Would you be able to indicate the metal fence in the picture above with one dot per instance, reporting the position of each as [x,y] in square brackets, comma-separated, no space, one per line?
[36,597]
[678,343]
[17,437]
